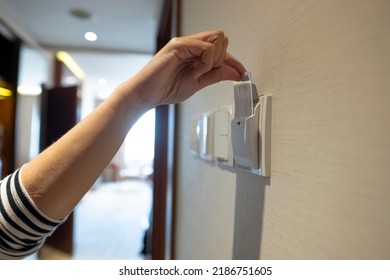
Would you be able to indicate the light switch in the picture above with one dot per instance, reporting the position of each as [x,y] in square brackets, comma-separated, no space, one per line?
[206,135]
[194,145]
[222,146]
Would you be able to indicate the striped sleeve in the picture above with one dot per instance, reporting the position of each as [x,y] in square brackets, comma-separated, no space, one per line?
[23,227]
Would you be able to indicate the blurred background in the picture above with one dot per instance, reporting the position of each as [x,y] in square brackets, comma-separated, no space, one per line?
[59,60]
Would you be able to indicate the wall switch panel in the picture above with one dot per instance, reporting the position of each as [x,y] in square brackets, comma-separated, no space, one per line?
[245,140]
[237,141]
[265,123]
[194,145]
[206,136]
[222,139]
[251,129]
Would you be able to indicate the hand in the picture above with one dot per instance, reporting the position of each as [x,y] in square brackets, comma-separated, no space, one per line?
[186,65]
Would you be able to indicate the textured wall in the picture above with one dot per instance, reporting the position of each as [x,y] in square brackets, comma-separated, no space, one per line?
[326,64]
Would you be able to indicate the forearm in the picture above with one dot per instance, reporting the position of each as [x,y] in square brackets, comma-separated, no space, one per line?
[59,177]
[56,180]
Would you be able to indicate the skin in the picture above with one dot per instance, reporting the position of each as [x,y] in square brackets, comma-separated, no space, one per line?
[59,177]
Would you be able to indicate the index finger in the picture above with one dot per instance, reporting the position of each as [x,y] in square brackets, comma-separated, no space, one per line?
[234,63]
[209,36]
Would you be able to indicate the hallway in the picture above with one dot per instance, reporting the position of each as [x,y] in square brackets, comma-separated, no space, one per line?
[110,221]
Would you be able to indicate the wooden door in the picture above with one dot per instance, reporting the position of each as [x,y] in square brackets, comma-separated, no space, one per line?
[163,219]
[7,131]
[9,65]
[58,116]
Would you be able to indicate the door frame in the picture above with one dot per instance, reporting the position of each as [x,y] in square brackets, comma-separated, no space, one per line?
[164,154]
[60,244]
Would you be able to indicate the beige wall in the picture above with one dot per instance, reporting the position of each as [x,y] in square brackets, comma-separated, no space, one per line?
[327,66]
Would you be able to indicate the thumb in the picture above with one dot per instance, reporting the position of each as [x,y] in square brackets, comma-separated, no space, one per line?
[223,73]
[231,69]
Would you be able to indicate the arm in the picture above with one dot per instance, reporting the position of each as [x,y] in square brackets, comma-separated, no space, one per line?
[59,177]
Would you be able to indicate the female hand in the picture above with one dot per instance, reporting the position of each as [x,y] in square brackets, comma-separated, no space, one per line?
[60,176]
[186,65]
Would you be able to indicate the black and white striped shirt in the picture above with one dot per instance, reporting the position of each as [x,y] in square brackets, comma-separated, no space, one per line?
[23,227]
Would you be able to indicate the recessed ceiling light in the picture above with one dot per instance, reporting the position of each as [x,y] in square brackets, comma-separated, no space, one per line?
[90,36]
[81,14]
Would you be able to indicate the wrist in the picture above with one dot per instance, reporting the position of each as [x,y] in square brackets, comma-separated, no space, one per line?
[130,94]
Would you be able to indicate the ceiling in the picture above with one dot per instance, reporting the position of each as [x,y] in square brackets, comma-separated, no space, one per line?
[121,25]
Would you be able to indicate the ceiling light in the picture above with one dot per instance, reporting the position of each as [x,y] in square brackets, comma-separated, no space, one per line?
[29,90]
[4,92]
[90,36]
[81,14]
[71,64]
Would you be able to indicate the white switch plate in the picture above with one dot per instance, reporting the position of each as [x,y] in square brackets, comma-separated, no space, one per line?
[251,139]
[265,123]
[222,139]
[194,145]
[206,135]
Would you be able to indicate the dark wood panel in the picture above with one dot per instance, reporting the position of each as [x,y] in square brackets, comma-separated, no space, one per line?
[58,116]
[163,181]
[9,65]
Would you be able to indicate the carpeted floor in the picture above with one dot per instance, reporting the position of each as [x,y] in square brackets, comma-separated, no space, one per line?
[111,219]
